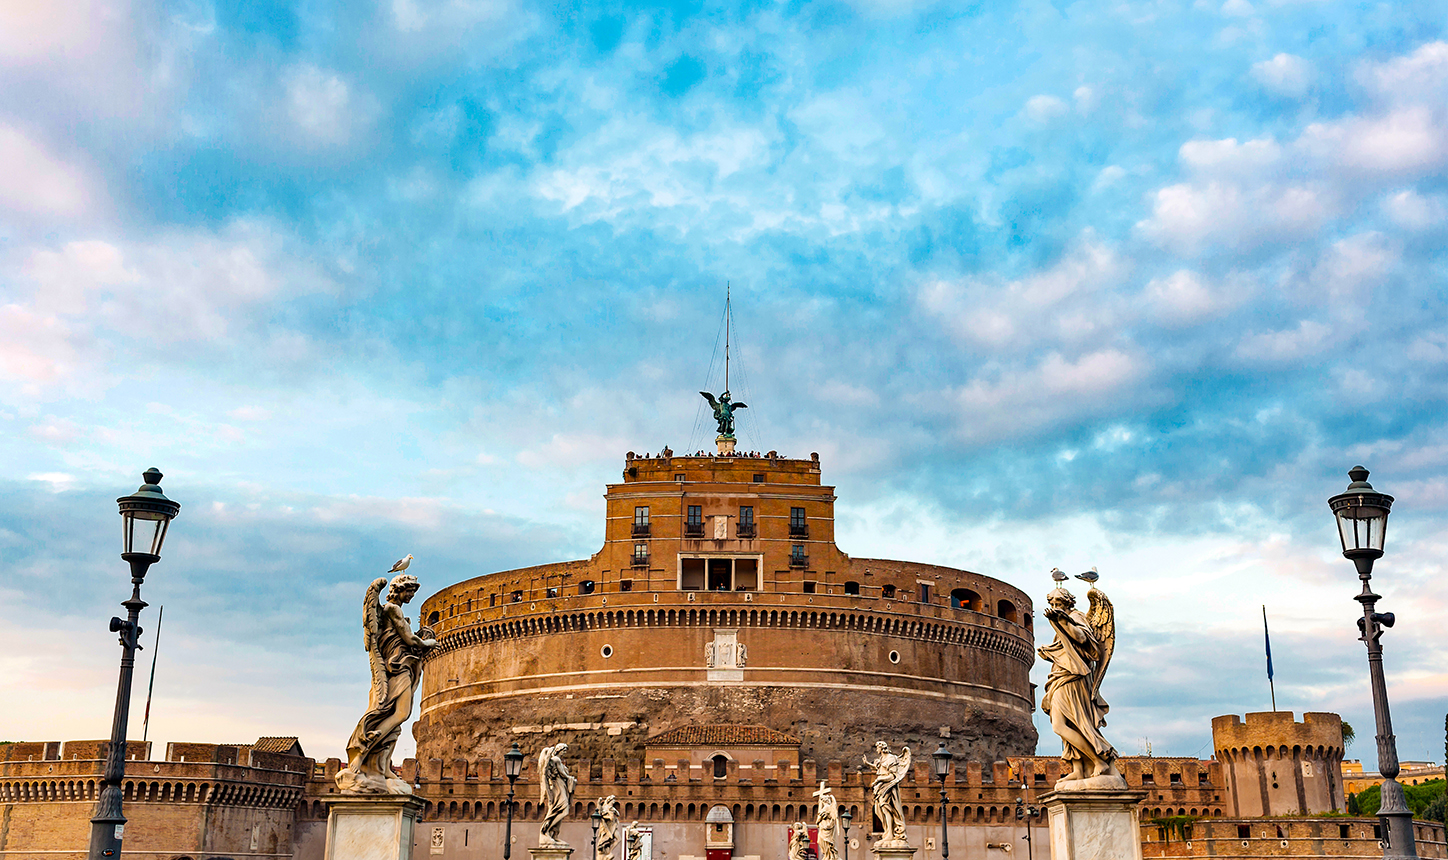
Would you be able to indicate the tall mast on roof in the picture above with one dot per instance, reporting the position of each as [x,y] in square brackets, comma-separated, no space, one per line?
[723,407]
[727,314]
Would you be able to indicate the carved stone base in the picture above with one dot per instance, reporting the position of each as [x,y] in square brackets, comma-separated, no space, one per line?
[893,850]
[556,851]
[725,443]
[1094,825]
[371,826]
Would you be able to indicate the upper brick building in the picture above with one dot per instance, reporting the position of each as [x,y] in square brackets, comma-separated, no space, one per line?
[719,596]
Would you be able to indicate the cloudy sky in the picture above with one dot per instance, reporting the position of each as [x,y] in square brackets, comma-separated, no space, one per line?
[1126,284]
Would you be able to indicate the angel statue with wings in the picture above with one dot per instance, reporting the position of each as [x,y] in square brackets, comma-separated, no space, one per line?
[607,828]
[890,770]
[395,653]
[1078,659]
[555,793]
[724,412]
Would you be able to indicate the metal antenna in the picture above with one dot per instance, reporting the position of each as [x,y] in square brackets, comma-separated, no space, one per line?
[727,314]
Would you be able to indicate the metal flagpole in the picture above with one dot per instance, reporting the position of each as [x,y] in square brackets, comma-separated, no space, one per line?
[155,651]
[1267,637]
[727,314]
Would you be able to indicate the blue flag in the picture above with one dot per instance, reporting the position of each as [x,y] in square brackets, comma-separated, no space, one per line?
[1268,638]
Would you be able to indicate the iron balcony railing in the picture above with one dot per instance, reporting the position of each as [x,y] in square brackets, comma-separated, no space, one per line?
[640,530]
[744,530]
[695,530]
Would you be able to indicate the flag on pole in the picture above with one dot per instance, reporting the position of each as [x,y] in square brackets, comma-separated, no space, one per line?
[1268,638]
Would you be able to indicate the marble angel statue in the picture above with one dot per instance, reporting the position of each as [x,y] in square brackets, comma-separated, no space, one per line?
[890,770]
[607,828]
[633,842]
[827,819]
[555,793]
[799,841]
[396,654]
[1079,657]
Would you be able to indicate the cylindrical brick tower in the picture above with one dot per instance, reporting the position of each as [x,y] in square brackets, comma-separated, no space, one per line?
[1275,766]
[719,597]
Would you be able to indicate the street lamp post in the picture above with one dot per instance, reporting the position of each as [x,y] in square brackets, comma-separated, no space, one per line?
[145,514]
[512,766]
[1028,813]
[941,760]
[1362,524]
[595,818]
[845,819]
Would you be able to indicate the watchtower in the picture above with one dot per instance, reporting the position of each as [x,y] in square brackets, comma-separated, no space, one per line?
[1273,765]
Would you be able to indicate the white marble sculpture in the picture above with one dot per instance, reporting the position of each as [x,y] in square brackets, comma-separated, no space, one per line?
[395,653]
[1078,657]
[827,819]
[633,842]
[555,793]
[607,828]
[890,770]
[799,841]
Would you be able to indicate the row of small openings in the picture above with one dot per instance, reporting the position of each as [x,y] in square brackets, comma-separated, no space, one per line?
[1344,831]
[1174,778]
[633,472]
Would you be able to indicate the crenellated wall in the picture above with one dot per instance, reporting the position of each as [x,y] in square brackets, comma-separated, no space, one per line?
[1277,766]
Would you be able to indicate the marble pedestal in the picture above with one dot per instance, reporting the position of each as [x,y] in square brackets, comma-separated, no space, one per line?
[1094,825]
[894,852]
[551,852]
[725,443]
[371,826]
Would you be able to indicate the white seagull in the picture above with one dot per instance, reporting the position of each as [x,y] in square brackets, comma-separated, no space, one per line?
[1058,574]
[401,565]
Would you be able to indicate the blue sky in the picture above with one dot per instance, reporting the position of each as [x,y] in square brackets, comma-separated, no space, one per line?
[1123,284]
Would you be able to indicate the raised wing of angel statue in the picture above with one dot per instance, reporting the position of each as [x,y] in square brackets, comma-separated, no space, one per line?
[890,770]
[395,653]
[724,412]
[1079,657]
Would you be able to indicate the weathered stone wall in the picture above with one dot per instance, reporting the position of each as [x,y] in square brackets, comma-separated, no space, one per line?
[1277,766]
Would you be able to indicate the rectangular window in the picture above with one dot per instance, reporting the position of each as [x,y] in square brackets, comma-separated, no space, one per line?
[641,516]
[888,592]
[625,585]
[691,574]
[517,597]
[1175,779]
[696,515]
[1344,831]
[797,556]
[745,527]
[640,554]
[758,478]
[679,477]
[1148,779]
[492,600]
[797,524]
[809,588]
[924,592]
[1244,831]
[552,592]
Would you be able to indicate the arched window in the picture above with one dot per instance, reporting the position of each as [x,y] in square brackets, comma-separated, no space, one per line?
[586,587]
[1007,610]
[964,598]
[433,618]
[888,592]
[721,766]
[852,587]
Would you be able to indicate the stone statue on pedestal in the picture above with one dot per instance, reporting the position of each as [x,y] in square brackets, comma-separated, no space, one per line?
[890,770]
[799,841]
[555,793]
[607,828]
[1078,657]
[633,842]
[395,653]
[827,819]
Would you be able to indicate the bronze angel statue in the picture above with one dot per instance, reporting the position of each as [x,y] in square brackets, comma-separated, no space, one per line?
[890,771]
[396,655]
[1079,657]
[724,412]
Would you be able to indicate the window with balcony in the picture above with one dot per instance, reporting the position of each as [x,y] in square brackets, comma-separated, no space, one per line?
[641,555]
[694,523]
[641,522]
[745,526]
[797,557]
[798,527]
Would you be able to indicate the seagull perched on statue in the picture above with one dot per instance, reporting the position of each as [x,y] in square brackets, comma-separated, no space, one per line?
[1089,576]
[1058,574]
[400,565]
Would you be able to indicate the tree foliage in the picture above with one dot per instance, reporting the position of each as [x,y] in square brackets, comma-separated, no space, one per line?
[1420,798]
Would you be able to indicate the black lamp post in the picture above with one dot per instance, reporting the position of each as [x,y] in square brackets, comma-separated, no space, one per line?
[941,760]
[595,818]
[1362,524]
[1029,813]
[145,515]
[512,766]
[845,819]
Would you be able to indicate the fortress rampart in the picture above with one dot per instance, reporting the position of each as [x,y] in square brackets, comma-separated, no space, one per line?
[1277,766]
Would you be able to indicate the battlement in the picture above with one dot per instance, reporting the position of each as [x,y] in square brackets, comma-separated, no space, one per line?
[1279,730]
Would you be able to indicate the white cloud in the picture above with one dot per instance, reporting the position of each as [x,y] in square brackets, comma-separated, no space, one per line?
[323,107]
[1285,75]
[1413,211]
[1192,217]
[1418,77]
[1185,297]
[1408,139]
[35,181]
[1308,339]
[1043,108]
[1040,397]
